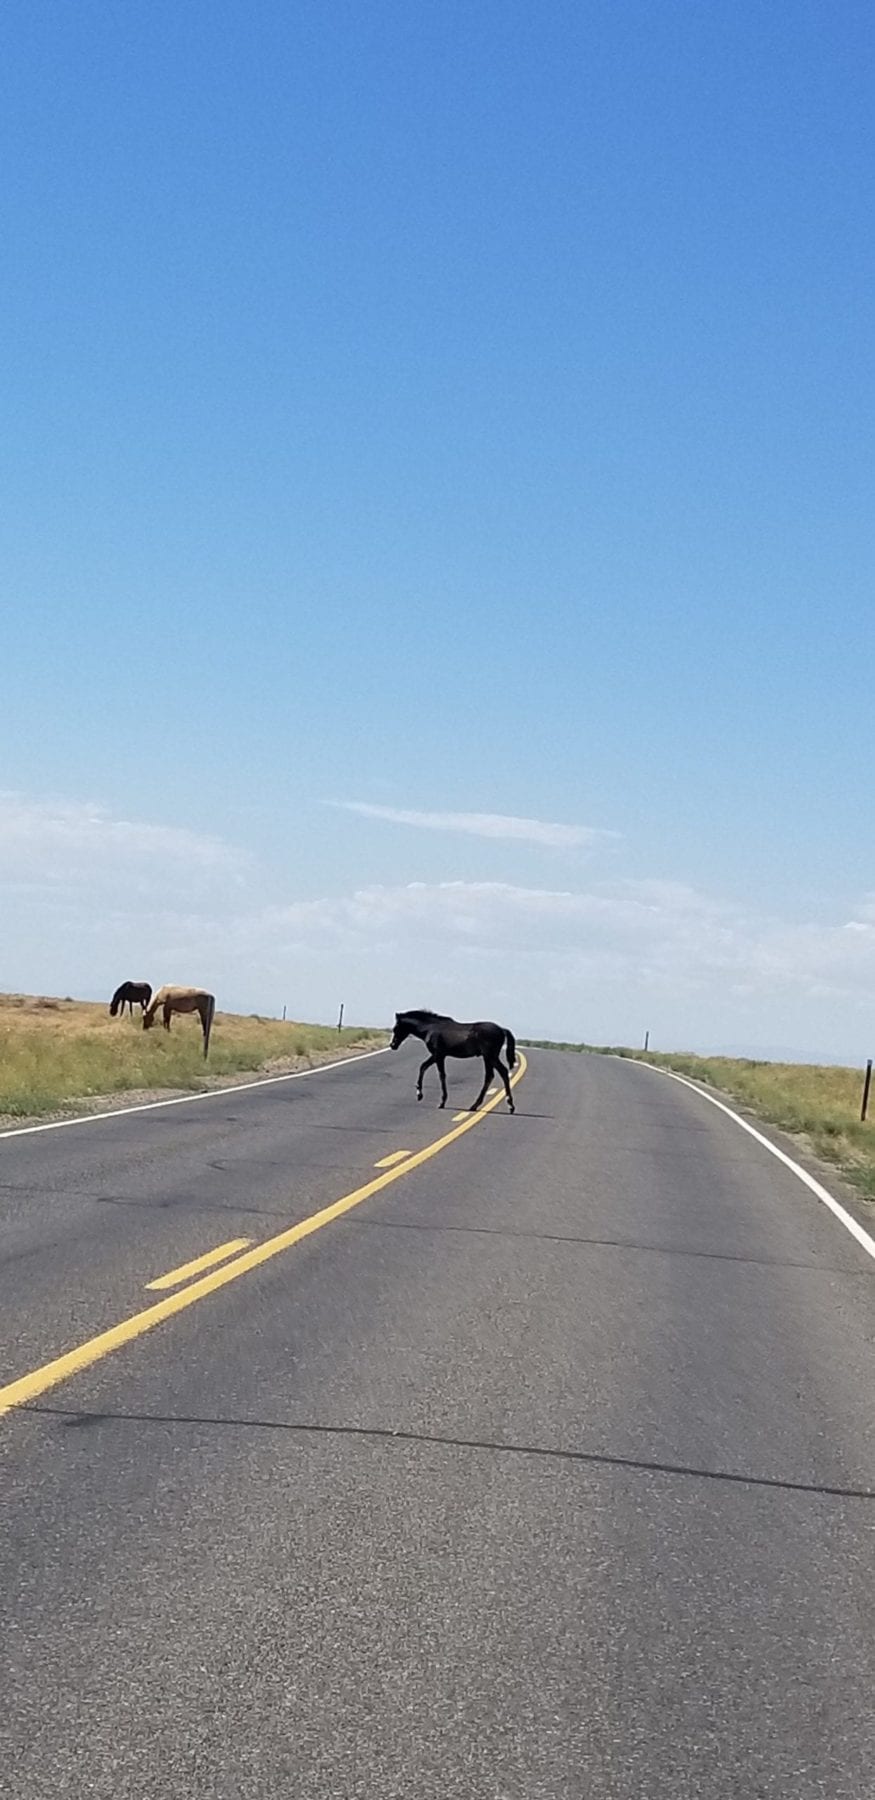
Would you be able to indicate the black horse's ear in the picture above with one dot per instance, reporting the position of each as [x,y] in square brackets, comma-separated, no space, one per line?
[397,1017]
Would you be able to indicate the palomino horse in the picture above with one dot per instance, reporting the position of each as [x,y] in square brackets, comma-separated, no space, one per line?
[130,993]
[182,1000]
[446,1037]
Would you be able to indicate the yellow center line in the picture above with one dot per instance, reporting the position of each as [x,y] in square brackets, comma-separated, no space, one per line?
[40,1381]
[386,1162]
[220,1254]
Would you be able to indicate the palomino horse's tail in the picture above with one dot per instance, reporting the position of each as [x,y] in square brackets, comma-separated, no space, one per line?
[207,1021]
[510,1040]
[116,1000]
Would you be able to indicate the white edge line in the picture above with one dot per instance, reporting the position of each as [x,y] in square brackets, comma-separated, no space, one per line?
[242,1087]
[845,1218]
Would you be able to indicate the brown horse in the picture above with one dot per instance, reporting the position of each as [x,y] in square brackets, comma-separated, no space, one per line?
[130,994]
[182,1000]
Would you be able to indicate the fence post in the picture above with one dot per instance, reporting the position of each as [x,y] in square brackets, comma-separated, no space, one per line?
[647,1040]
[866,1085]
[284,1012]
[340,1018]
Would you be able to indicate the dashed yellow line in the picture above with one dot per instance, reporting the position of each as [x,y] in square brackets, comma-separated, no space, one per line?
[386,1162]
[220,1254]
[51,1374]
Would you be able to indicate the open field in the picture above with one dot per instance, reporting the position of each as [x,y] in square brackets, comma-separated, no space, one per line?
[816,1103]
[57,1054]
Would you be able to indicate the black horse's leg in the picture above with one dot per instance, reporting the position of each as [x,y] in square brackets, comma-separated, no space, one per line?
[442,1073]
[507,1087]
[489,1066]
[426,1065]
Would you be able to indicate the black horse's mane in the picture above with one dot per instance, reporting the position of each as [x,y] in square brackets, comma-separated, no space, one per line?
[421,1013]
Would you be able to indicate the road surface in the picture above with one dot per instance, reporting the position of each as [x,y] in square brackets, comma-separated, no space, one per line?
[542,1469]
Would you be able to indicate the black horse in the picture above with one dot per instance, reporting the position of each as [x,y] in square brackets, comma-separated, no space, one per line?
[130,994]
[446,1037]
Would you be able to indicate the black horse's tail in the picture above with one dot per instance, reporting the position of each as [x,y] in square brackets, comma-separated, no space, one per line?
[207,1022]
[116,1000]
[510,1040]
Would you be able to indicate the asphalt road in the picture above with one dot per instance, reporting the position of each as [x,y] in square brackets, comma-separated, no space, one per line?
[545,1470]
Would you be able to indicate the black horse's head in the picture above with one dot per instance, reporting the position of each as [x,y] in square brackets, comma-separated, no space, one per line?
[413,1023]
[403,1029]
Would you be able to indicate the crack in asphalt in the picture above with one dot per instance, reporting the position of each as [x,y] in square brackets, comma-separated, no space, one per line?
[560,1237]
[77,1419]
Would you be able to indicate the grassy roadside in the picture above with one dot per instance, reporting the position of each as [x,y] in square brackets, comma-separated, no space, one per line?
[56,1053]
[815,1103]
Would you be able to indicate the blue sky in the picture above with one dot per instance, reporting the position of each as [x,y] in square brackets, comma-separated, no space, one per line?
[464,412]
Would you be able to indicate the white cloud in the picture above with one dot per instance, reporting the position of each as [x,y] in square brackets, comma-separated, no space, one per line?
[502,826]
[615,941]
[493,912]
[866,911]
[90,898]
[75,845]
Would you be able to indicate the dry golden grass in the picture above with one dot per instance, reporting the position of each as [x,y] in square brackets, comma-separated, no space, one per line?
[55,1053]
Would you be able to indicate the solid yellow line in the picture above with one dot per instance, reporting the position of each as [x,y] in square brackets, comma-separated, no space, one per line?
[39,1381]
[386,1162]
[220,1254]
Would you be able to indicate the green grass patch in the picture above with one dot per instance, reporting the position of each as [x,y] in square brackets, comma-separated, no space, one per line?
[54,1053]
[813,1101]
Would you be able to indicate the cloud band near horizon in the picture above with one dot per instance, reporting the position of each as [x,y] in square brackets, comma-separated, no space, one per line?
[497,826]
